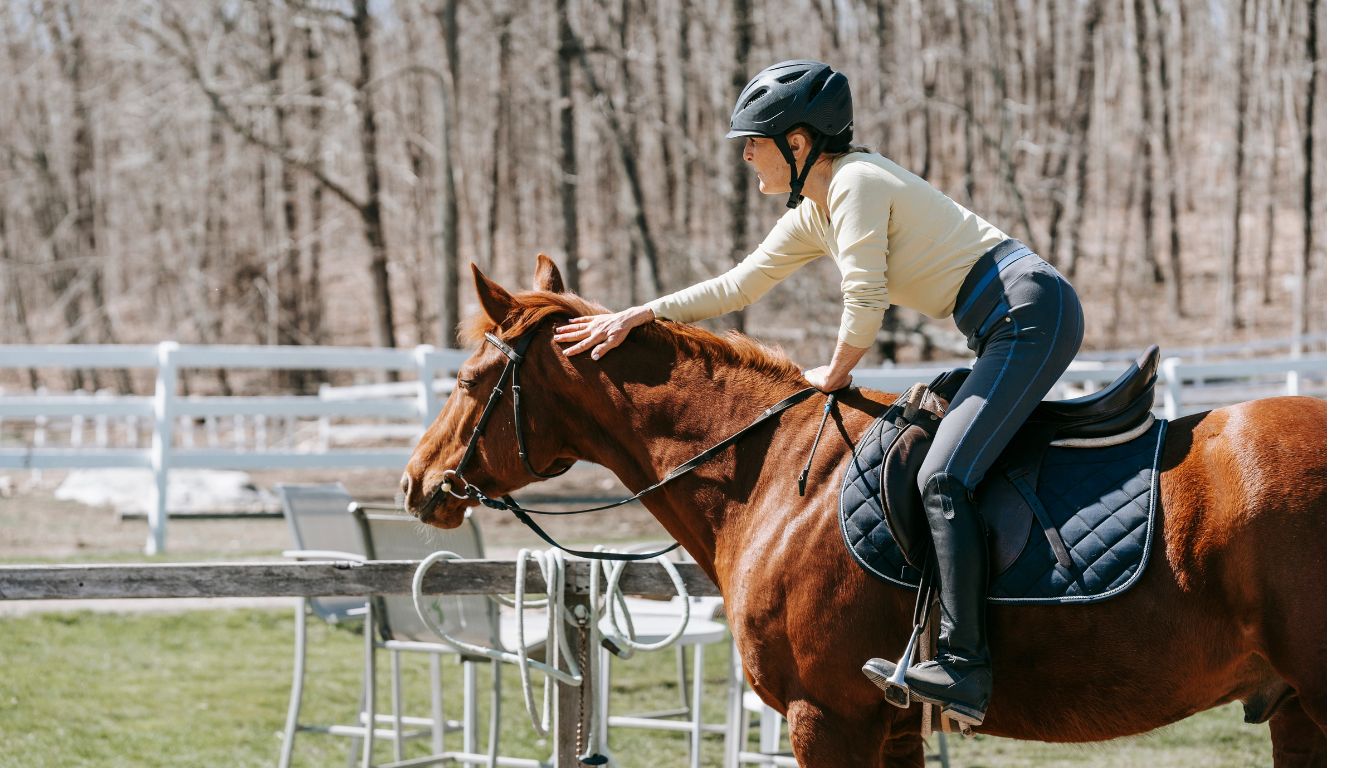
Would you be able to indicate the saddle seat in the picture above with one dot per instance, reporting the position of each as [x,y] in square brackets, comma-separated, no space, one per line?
[1006,498]
[1119,407]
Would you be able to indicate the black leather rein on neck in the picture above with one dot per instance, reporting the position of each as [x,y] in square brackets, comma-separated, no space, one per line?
[470,491]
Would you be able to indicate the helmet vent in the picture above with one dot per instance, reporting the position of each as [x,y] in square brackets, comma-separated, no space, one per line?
[753,97]
[818,84]
[791,76]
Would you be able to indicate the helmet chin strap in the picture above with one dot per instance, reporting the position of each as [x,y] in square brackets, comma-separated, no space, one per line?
[798,180]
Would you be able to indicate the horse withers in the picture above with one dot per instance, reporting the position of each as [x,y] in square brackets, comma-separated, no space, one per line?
[1232,606]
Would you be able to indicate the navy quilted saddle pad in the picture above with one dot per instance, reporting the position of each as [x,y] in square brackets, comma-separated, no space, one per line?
[1101,501]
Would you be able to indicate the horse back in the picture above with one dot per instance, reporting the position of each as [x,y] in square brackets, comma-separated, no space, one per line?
[1245,487]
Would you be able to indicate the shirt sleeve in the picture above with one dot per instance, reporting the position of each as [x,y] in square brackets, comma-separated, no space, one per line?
[789,245]
[860,209]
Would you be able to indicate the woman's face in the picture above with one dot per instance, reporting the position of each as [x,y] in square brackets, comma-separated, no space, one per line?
[774,176]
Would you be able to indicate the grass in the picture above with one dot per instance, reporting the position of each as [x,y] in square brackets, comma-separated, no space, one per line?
[209,688]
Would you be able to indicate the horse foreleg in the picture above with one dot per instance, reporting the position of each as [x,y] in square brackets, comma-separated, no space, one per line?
[1296,740]
[823,739]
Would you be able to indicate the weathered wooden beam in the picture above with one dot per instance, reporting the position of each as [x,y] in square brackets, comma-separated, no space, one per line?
[314,579]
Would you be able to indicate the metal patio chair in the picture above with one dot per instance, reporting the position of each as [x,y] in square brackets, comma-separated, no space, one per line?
[325,524]
[654,620]
[396,627]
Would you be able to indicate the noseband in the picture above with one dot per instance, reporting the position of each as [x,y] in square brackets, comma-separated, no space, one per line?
[516,356]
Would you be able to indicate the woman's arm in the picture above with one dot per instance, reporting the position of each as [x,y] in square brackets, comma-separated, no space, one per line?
[788,246]
[839,373]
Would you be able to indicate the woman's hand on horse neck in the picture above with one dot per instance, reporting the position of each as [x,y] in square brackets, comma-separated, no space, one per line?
[601,333]
[839,373]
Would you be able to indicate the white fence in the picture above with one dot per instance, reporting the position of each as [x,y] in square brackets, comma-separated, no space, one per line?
[165,409]
[257,433]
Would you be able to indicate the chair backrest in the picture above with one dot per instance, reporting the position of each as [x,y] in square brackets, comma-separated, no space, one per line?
[473,618]
[318,517]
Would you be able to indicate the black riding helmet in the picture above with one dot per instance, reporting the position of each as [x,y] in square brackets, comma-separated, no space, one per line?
[791,94]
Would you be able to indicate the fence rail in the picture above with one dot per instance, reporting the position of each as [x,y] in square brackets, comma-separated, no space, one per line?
[393,577]
[318,579]
[264,432]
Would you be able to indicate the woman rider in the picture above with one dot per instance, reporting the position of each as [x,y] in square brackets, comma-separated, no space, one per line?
[896,240]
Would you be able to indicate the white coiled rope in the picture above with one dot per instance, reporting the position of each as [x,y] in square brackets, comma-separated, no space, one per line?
[551,564]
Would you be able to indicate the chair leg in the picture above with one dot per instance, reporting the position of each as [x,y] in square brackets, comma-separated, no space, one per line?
[495,712]
[438,715]
[603,687]
[471,727]
[368,707]
[396,695]
[681,660]
[770,727]
[296,691]
[695,735]
[737,723]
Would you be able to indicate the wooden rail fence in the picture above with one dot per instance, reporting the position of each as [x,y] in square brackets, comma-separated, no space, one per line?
[322,579]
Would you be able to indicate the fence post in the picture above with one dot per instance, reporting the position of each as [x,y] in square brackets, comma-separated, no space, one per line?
[163,436]
[574,705]
[1292,377]
[1171,375]
[428,406]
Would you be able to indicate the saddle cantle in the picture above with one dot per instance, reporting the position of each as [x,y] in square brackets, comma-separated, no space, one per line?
[1118,408]
[1065,524]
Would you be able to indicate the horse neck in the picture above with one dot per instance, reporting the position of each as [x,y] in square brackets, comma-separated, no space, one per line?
[646,425]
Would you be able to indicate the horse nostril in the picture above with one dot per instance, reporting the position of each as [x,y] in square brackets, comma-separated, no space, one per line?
[407,487]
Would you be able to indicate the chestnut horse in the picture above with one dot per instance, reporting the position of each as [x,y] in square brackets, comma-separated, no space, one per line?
[1232,606]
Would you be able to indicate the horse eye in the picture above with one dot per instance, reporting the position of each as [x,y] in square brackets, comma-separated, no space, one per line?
[465,384]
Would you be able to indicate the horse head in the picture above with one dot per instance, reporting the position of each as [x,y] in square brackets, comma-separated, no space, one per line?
[510,338]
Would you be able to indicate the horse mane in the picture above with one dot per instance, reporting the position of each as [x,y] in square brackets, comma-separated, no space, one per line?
[535,307]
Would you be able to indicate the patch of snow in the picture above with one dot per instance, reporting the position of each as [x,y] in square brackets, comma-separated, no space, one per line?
[189,490]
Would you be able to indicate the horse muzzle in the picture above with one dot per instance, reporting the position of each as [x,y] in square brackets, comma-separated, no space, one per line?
[443,506]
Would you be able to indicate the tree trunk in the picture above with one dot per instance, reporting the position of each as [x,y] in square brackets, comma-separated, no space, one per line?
[1169,150]
[684,115]
[741,177]
[628,164]
[965,65]
[1083,107]
[448,317]
[1304,264]
[312,300]
[371,211]
[1228,313]
[1273,108]
[568,161]
[288,286]
[502,85]
[1145,144]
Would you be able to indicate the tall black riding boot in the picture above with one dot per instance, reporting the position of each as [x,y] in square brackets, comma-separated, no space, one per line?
[959,677]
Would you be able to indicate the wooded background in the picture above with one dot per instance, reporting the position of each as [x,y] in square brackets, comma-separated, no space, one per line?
[323,171]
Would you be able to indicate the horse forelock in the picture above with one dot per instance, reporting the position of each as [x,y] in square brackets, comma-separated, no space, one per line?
[736,349]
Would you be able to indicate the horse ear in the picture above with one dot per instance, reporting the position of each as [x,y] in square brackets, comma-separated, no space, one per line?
[496,301]
[548,275]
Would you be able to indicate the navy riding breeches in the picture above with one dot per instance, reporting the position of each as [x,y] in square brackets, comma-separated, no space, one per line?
[1024,322]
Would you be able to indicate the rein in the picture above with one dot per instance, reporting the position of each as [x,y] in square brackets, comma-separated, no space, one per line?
[510,373]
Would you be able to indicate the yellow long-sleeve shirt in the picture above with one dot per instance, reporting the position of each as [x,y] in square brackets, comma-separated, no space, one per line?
[896,240]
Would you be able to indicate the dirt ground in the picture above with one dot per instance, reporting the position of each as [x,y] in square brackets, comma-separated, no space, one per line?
[35,526]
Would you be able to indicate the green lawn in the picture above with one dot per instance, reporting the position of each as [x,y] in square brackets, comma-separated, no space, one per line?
[209,688]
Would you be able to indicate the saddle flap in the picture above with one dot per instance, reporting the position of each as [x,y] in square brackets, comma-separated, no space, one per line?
[1007,515]
[1008,518]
